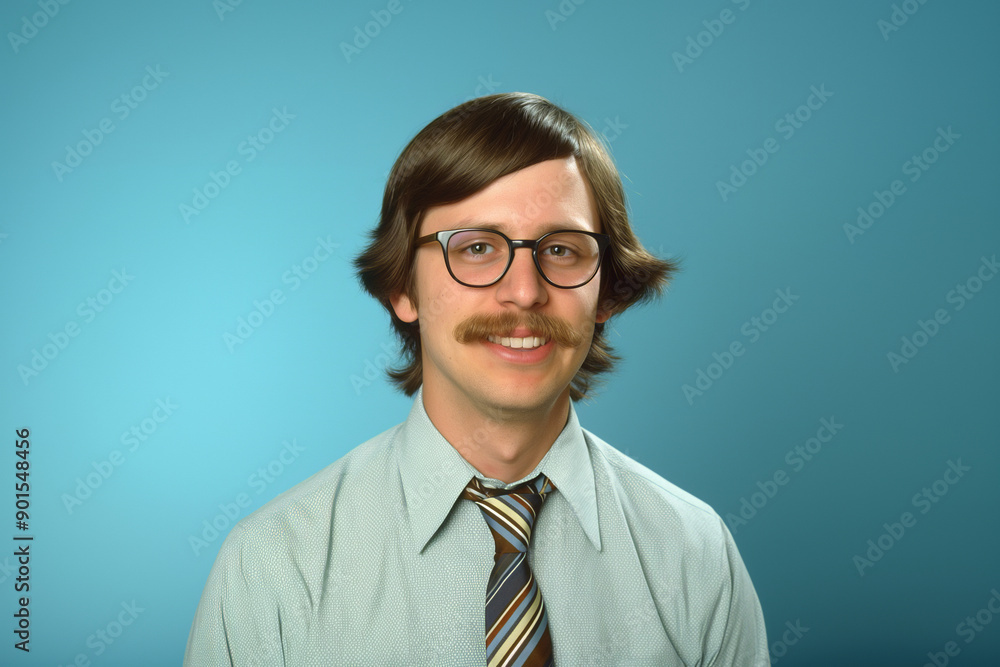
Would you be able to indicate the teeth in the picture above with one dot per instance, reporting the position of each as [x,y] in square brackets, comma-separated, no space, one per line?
[526,343]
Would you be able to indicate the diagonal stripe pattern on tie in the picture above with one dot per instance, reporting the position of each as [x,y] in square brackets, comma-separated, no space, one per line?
[517,628]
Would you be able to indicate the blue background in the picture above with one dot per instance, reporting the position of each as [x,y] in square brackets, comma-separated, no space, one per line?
[311,372]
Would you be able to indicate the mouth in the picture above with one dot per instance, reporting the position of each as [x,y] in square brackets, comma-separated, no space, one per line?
[519,342]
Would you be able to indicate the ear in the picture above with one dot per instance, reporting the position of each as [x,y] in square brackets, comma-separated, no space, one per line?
[602,316]
[404,308]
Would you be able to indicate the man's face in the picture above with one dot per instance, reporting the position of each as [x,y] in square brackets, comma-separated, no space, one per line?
[480,374]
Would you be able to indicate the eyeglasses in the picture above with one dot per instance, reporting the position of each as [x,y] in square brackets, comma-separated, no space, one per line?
[565,258]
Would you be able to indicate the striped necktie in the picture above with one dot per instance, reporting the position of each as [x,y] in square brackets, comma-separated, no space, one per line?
[517,627]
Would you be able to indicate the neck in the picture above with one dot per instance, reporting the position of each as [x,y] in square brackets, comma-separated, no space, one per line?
[499,441]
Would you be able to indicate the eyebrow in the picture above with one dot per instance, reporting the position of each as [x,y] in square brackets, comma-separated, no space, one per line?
[497,227]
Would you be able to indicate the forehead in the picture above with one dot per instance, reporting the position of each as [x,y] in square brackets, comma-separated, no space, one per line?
[525,204]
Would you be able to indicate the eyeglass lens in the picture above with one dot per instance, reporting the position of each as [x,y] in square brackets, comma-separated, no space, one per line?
[479,258]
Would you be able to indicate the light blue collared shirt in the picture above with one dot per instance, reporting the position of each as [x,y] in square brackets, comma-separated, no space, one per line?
[375,561]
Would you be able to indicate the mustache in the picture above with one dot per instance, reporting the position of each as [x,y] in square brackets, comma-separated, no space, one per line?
[477,327]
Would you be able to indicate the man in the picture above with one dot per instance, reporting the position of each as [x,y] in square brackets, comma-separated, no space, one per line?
[489,527]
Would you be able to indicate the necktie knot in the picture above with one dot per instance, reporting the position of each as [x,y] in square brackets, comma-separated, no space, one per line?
[510,514]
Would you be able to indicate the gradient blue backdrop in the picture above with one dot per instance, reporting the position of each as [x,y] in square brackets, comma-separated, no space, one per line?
[310,373]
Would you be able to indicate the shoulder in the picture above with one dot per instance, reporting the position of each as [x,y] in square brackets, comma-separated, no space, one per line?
[687,554]
[653,506]
[298,522]
[273,564]
[638,481]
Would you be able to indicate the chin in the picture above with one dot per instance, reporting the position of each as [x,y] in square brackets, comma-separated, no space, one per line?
[522,397]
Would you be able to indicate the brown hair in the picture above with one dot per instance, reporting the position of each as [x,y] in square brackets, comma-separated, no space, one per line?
[461,152]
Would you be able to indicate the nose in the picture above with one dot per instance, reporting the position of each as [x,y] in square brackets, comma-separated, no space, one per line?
[522,285]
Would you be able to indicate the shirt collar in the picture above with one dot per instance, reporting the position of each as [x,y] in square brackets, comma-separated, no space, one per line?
[433,474]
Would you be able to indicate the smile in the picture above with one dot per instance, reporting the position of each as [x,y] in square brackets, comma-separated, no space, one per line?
[526,343]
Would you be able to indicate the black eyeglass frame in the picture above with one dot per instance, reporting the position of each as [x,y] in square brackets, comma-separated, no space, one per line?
[444,236]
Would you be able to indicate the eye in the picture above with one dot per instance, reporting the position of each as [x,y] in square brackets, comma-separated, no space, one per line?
[476,246]
[476,249]
[557,250]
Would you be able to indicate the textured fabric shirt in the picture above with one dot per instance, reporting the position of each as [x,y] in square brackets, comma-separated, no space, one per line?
[375,560]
